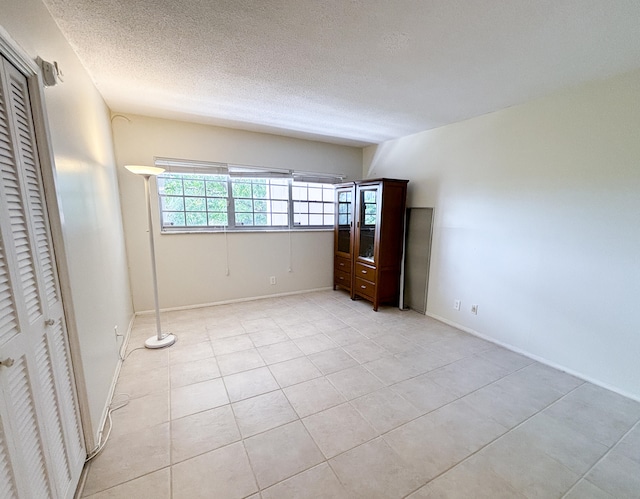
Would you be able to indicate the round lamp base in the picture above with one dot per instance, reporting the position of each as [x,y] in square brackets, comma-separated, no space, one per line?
[166,341]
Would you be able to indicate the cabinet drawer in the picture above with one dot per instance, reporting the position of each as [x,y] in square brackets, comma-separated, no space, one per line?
[342,264]
[366,272]
[342,278]
[365,288]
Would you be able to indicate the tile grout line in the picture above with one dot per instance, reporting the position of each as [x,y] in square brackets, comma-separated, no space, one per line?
[385,386]
[300,419]
[281,389]
[499,436]
[609,451]
[349,401]
[242,437]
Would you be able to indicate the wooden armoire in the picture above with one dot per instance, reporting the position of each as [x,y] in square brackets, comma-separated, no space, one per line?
[369,233]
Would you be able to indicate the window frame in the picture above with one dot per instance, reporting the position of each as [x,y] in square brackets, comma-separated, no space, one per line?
[232,225]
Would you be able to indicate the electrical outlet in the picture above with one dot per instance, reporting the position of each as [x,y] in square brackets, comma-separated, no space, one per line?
[456,304]
[474,309]
[272,280]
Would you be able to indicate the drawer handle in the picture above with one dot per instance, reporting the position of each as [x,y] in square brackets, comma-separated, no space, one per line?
[342,264]
[363,287]
[363,271]
[342,278]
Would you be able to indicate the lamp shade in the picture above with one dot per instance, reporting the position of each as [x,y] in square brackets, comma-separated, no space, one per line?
[144,170]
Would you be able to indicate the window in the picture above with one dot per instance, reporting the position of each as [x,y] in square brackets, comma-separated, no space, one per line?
[193,200]
[313,204]
[261,202]
[219,202]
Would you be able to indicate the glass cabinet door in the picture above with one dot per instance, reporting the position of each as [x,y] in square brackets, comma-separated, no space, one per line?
[345,220]
[368,210]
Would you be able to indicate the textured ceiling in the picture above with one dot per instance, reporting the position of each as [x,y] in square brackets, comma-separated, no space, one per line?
[345,71]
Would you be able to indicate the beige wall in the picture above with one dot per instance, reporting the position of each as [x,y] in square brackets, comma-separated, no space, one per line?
[538,222]
[88,193]
[192,267]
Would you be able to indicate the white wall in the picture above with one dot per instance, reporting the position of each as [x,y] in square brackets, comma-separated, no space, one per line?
[538,222]
[88,192]
[192,267]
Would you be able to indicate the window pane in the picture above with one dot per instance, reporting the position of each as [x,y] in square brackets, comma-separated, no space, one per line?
[280,206]
[329,219]
[241,189]
[243,206]
[315,207]
[300,207]
[279,192]
[196,219]
[172,203]
[259,189]
[217,204]
[193,187]
[194,204]
[315,194]
[300,219]
[343,220]
[218,219]
[175,219]
[170,185]
[328,194]
[244,219]
[218,189]
[279,219]
[260,205]
[261,219]
[315,219]
[329,208]
[299,193]
[369,196]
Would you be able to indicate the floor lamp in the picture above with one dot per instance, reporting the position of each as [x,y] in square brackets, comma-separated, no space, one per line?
[160,340]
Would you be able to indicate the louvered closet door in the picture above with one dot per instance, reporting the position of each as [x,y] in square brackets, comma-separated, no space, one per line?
[41,447]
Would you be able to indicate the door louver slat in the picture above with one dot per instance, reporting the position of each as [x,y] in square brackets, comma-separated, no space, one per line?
[33,186]
[8,323]
[66,389]
[7,478]
[18,380]
[17,220]
[52,412]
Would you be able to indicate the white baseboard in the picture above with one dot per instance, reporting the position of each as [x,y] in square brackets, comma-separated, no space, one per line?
[105,412]
[537,358]
[114,380]
[236,300]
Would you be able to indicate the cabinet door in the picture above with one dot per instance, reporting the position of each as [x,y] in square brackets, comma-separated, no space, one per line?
[368,220]
[344,222]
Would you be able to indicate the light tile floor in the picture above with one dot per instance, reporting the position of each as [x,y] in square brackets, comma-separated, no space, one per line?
[317,396]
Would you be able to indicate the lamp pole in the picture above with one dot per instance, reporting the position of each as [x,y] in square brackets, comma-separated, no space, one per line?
[159,340]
